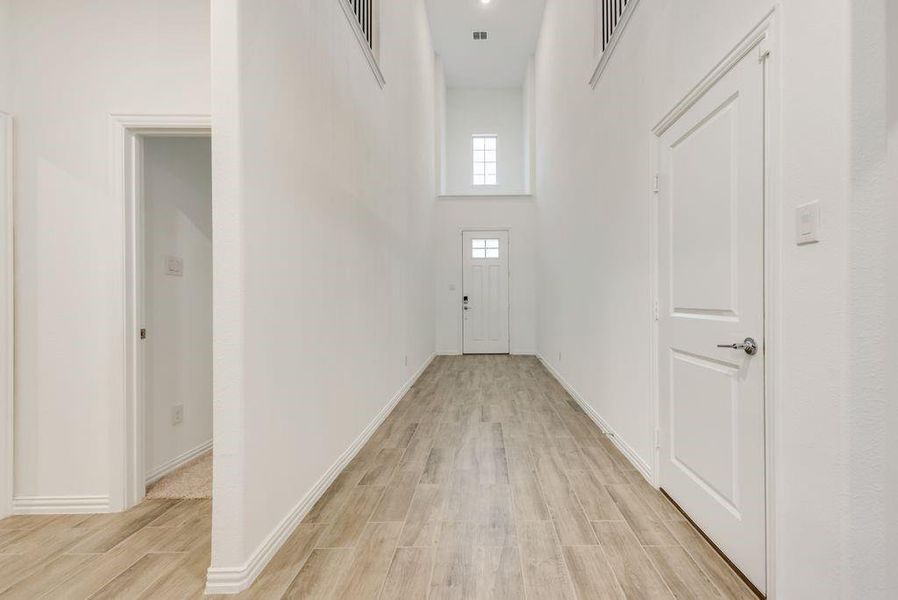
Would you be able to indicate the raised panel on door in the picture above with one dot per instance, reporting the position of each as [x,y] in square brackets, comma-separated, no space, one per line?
[711,292]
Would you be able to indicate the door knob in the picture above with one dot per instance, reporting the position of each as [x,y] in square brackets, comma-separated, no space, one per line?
[749,345]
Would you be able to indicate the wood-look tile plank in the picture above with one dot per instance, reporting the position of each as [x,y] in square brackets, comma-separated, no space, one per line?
[397,498]
[590,572]
[117,530]
[438,468]
[497,573]
[681,574]
[332,501]
[138,577]
[371,561]
[720,574]
[564,506]
[409,574]
[422,524]
[453,569]
[187,581]
[594,498]
[382,467]
[655,499]
[108,566]
[635,573]
[545,574]
[322,575]
[44,579]
[350,523]
[647,526]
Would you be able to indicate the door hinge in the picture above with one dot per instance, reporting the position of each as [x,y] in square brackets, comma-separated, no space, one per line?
[656,310]
[657,438]
[143,334]
[657,183]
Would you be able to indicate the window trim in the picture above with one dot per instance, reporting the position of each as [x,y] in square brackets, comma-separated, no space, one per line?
[485,136]
[620,28]
[371,54]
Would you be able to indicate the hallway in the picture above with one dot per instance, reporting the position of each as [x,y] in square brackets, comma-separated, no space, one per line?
[486,481]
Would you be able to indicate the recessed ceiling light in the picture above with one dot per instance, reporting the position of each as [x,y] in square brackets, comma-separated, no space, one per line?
[485,1]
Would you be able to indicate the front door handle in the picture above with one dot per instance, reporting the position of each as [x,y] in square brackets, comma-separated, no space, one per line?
[749,345]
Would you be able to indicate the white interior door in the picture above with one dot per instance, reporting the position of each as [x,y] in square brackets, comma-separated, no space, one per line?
[485,292]
[711,289]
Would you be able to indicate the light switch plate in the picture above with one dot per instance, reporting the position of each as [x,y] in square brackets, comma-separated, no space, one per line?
[177,414]
[807,224]
[174,266]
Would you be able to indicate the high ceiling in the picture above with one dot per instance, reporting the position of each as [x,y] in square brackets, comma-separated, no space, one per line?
[501,61]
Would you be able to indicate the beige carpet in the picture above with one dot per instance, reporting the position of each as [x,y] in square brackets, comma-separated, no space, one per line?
[193,480]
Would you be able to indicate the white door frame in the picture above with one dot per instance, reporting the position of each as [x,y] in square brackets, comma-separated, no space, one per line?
[461,311]
[763,41]
[127,466]
[7,317]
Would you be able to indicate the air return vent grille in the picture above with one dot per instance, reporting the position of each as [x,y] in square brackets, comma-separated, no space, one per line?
[480,36]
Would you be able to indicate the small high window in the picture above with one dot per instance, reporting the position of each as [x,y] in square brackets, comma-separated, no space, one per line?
[484,248]
[485,159]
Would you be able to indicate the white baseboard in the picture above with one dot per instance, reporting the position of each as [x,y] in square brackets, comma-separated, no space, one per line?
[602,424]
[59,505]
[177,462]
[233,580]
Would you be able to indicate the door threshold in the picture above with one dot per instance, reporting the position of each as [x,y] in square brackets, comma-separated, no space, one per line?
[719,552]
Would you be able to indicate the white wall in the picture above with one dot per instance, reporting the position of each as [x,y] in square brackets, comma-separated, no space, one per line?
[891,389]
[75,63]
[324,190]
[496,111]
[178,350]
[593,178]
[518,215]
[6,325]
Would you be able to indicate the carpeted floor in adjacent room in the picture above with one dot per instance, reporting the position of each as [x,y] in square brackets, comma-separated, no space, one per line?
[193,480]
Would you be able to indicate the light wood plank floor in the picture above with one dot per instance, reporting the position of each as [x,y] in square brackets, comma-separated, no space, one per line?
[486,481]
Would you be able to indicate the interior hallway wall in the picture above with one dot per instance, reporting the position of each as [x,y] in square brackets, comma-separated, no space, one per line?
[324,192]
[890,334]
[452,215]
[75,64]
[593,186]
[489,111]
[178,350]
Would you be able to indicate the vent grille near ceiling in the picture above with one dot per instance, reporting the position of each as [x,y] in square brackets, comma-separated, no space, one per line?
[480,35]
[611,14]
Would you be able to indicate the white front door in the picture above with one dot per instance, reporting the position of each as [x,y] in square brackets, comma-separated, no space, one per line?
[485,292]
[711,292]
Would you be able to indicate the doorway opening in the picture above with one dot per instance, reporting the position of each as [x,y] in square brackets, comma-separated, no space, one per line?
[163,174]
[485,306]
[176,307]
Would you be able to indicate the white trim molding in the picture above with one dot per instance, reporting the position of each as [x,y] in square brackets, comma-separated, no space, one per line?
[233,580]
[60,505]
[619,30]
[127,472]
[370,54]
[177,462]
[601,423]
